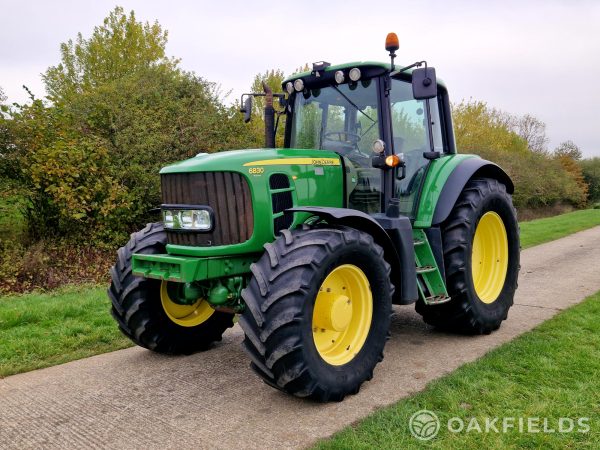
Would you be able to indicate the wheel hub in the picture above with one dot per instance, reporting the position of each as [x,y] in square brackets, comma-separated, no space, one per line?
[342,314]
[333,312]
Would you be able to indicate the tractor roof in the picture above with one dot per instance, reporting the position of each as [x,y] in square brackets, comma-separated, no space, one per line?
[382,66]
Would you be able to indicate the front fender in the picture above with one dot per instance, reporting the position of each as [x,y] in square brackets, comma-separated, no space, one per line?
[394,235]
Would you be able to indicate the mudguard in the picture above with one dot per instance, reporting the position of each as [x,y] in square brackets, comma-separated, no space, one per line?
[394,235]
[455,183]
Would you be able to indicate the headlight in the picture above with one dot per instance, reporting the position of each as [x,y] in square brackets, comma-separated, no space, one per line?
[187,219]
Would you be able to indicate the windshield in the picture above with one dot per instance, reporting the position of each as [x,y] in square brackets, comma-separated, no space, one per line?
[343,119]
[340,118]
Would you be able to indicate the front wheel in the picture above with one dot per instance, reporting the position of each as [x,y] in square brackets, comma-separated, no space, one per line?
[147,310]
[481,257]
[318,312]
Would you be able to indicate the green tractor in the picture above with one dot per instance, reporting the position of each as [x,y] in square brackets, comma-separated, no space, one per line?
[366,205]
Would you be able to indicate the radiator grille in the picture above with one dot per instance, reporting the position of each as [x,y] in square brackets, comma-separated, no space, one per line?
[227,193]
[281,201]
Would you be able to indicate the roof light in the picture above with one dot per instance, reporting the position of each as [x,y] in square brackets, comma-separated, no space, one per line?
[339,77]
[299,85]
[354,74]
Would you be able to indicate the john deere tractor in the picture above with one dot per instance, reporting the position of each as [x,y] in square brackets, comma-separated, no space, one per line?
[368,204]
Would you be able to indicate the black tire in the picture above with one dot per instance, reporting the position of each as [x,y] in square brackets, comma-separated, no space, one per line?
[466,312]
[280,301]
[137,308]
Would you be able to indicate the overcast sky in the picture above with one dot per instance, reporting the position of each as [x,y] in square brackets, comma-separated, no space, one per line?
[537,57]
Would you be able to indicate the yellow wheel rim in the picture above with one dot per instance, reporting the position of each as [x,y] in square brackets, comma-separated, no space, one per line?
[184,315]
[490,257]
[342,314]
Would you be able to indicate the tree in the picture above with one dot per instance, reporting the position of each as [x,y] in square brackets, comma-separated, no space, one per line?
[515,144]
[479,127]
[568,149]
[90,158]
[533,131]
[121,46]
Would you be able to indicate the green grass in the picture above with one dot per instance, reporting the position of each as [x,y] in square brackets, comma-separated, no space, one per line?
[550,372]
[543,230]
[41,330]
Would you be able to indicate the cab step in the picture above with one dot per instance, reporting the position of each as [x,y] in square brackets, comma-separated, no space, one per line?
[437,300]
[431,286]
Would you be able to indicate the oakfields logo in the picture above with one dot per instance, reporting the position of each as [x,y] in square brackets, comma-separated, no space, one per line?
[425,425]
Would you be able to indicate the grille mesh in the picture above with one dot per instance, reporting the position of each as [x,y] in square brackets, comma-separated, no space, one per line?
[227,193]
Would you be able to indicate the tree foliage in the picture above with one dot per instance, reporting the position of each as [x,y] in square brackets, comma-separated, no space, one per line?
[591,174]
[517,144]
[272,78]
[90,158]
[568,149]
[533,131]
[120,47]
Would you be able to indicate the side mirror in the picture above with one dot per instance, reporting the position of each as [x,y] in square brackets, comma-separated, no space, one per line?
[247,109]
[424,83]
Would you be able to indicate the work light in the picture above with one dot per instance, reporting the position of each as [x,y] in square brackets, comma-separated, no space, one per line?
[299,84]
[354,74]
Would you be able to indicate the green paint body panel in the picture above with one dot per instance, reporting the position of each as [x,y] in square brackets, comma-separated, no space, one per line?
[437,174]
[309,187]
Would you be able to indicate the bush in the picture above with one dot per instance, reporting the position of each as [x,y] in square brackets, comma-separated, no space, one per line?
[50,264]
[591,174]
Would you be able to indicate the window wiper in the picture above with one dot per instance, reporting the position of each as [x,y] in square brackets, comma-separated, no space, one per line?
[353,104]
[369,129]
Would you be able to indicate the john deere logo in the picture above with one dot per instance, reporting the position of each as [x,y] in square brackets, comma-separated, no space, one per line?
[424,425]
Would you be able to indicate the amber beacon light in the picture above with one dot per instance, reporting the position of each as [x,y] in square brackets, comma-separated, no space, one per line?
[391,42]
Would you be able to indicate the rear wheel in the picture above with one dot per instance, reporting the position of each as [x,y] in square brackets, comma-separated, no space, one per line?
[147,310]
[481,257]
[318,312]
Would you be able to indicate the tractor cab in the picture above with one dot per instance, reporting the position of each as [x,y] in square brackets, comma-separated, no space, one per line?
[367,112]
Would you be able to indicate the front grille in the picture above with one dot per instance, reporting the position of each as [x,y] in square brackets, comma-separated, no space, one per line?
[227,193]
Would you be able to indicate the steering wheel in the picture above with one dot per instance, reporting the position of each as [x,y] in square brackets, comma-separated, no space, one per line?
[351,138]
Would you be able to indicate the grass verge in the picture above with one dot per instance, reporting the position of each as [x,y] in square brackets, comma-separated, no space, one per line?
[550,228]
[41,330]
[549,372]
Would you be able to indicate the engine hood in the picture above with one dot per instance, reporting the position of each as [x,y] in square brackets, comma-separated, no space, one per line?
[238,159]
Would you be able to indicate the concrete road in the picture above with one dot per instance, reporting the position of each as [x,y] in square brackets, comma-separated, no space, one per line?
[136,399]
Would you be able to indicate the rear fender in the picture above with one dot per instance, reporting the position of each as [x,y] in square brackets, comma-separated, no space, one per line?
[455,183]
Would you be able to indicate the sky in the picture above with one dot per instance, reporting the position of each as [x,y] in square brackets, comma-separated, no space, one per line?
[524,57]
